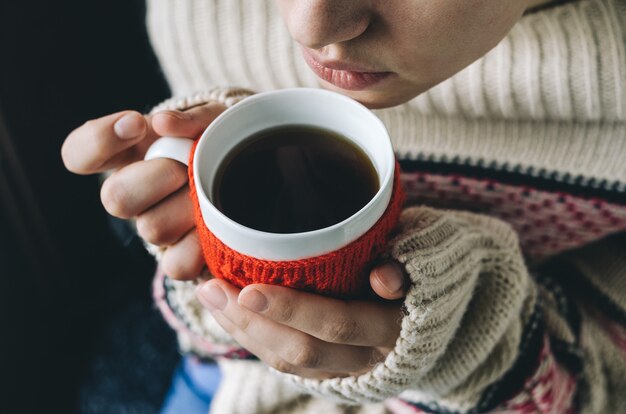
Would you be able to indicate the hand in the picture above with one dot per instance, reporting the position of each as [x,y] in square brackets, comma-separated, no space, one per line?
[152,192]
[306,334]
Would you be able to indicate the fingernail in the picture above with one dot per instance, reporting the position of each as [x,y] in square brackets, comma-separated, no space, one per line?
[390,277]
[212,297]
[253,300]
[129,126]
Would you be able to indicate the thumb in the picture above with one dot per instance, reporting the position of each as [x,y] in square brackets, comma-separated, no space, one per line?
[190,123]
[388,281]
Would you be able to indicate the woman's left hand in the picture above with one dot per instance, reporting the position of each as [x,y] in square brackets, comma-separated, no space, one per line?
[306,334]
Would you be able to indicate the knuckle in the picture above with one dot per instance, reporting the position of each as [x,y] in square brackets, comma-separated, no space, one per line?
[305,356]
[244,323]
[182,263]
[215,106]
[282,366]
[285,312]
[214,109]
[175,271]
[114,196]
[150,230]
[174,268]
[206,112]
[174,174]
[341,331]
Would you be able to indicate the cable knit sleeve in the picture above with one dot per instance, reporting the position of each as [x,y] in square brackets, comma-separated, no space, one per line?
[196,329]
[469,300]
[481,334]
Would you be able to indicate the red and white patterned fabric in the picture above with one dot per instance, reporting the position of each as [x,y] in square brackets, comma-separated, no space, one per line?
[616,332]
[549,391]
[547,223]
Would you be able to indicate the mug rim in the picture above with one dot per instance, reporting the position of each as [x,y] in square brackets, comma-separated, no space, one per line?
[384,191]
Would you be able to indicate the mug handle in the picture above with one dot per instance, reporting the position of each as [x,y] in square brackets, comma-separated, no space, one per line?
[178,149]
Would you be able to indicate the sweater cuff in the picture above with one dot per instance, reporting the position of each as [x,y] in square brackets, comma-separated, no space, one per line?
[465,310]
[227,96]
[250,387]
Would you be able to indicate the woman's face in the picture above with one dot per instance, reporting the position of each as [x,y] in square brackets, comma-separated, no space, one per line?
[385,52]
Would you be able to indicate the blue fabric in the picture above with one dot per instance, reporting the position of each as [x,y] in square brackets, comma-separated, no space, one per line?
[193,386]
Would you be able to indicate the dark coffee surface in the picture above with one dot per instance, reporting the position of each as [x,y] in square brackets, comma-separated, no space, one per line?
[292,179]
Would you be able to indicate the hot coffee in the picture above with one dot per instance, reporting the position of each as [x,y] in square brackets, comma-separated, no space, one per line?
[293,179]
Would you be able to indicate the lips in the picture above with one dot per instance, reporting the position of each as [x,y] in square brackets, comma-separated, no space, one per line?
[344,75]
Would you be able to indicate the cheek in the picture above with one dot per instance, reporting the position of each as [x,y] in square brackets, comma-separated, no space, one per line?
[433,43]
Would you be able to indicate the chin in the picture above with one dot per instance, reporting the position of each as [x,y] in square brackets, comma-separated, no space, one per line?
[381,102]
[376,98]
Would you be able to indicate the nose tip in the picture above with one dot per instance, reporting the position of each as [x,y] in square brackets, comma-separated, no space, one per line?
[316,24]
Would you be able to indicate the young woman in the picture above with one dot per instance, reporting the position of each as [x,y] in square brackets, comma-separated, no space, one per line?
[508,119]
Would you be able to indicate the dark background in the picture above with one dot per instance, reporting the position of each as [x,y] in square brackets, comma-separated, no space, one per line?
[78,331]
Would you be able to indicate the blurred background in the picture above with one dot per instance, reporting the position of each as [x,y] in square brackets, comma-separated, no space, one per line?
[78,330]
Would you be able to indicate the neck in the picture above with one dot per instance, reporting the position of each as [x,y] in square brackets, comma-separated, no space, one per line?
[535,5]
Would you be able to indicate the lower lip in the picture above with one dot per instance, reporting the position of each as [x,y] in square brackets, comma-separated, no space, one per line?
[346,79]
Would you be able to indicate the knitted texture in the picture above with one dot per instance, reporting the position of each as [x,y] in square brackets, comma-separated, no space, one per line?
[225,95]
[547,222]
[549,391]
[273,395]
[603,265]
[462,267]
[547,102]
[340,273]
[603,388]
[549,99]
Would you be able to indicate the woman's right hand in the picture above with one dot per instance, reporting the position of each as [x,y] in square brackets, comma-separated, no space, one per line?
[155,192]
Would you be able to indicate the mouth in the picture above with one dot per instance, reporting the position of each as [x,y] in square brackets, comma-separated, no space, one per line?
[346,76]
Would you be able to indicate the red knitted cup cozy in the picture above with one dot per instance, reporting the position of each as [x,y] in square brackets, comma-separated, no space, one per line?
[340,273]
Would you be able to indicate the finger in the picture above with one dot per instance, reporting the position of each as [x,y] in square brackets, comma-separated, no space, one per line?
[190,123]
[168,221]
[331,320]
[291,345]
[138,186]
[100,144]
[388,281]
[267,355]
[183,260]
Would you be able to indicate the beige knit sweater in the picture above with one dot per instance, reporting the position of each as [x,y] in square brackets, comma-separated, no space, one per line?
[549,104]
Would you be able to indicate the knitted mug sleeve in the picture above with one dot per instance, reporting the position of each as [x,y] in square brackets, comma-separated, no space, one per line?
[340,273]
[469,295]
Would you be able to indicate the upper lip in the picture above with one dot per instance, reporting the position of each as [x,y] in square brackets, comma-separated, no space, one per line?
[340,64]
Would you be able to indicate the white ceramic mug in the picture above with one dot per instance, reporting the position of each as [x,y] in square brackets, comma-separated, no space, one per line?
[300,106]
